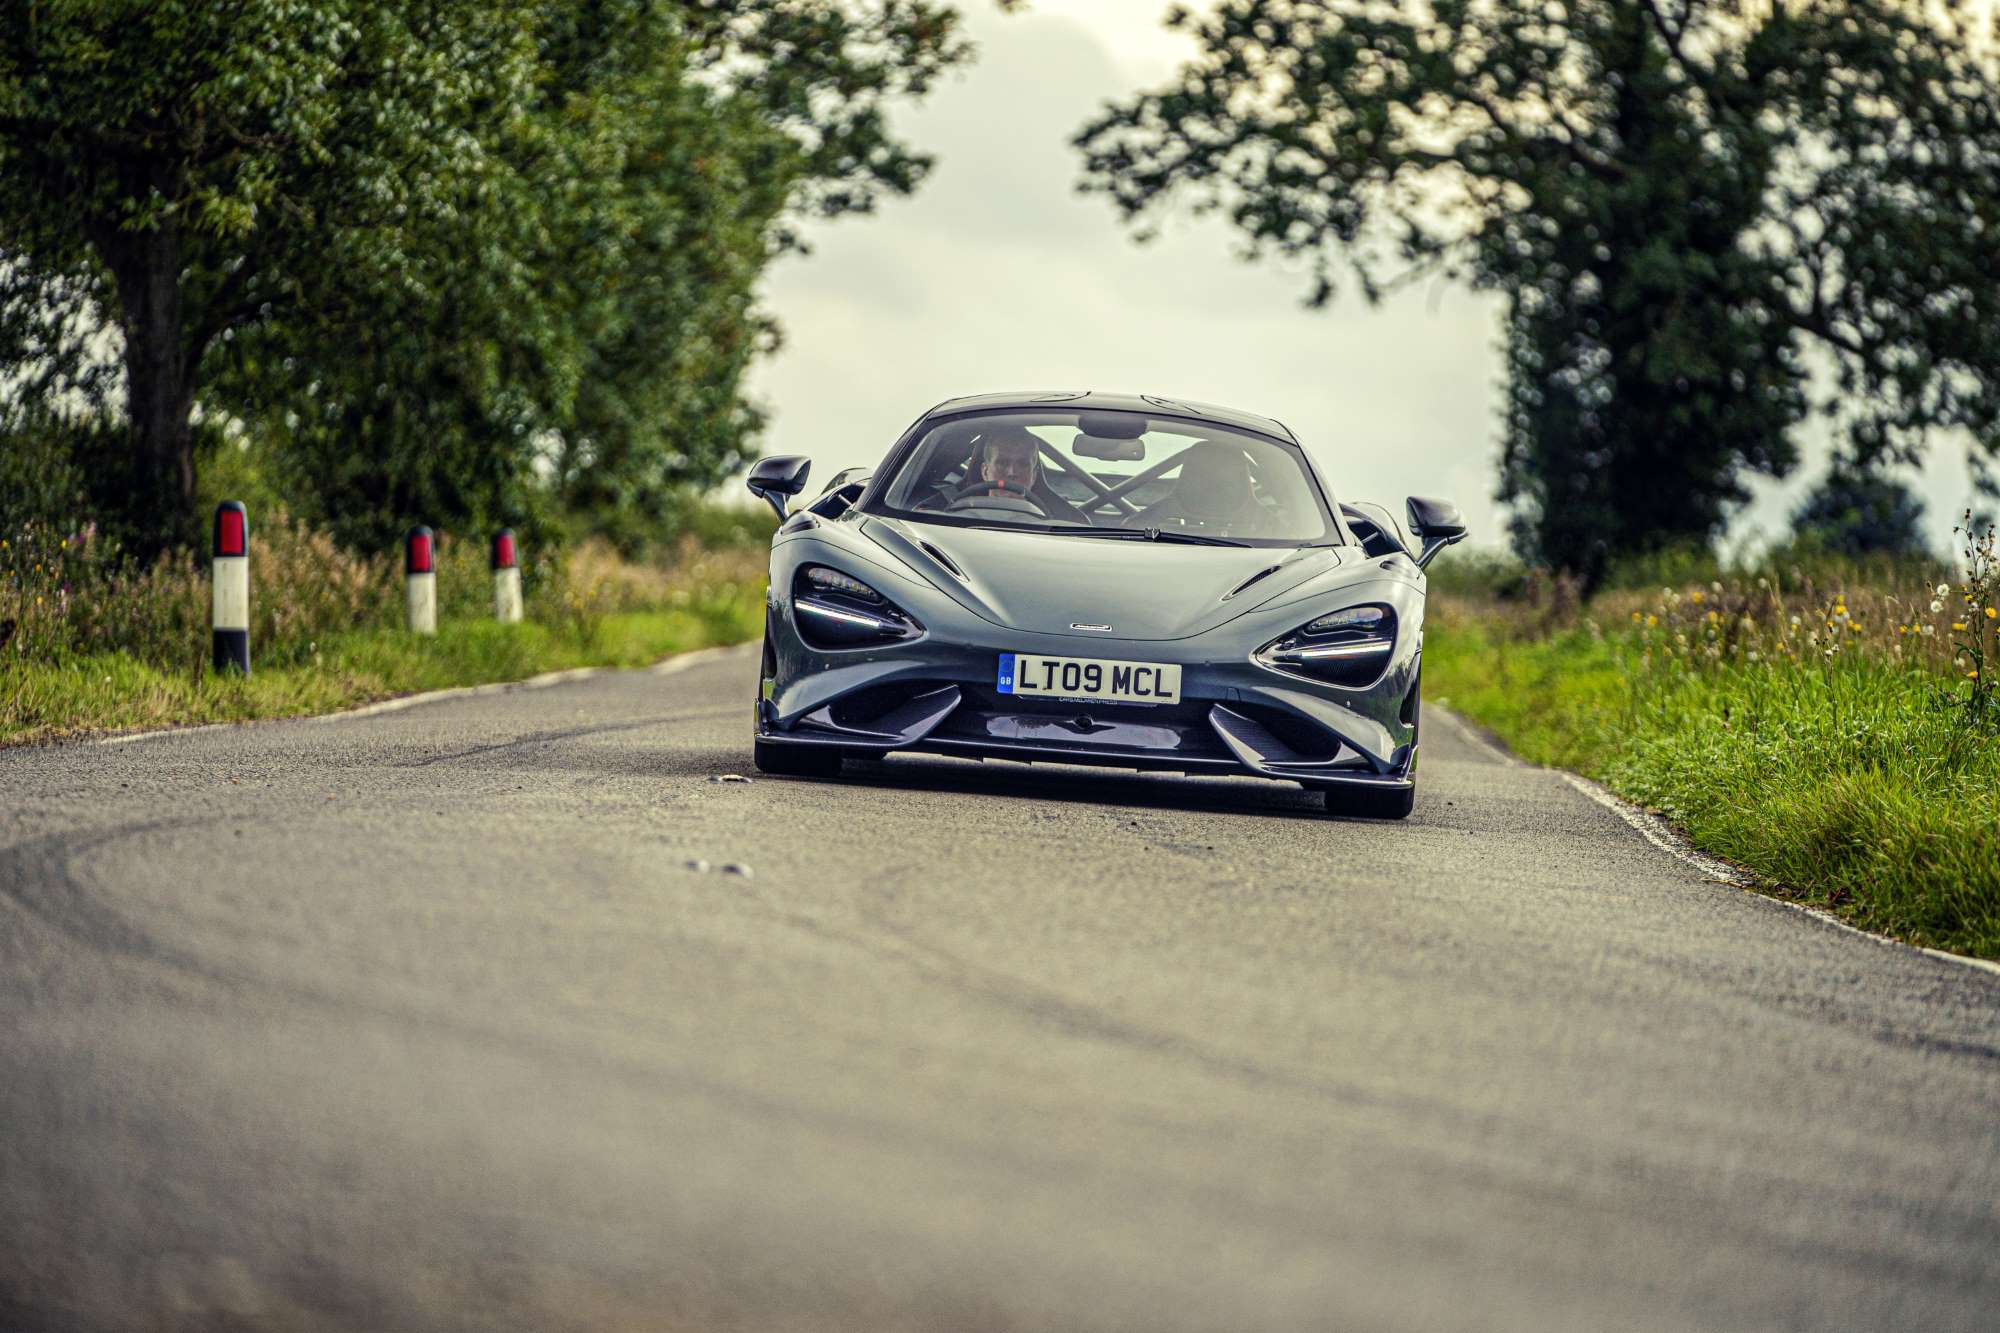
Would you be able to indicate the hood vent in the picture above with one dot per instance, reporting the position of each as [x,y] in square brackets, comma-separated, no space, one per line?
[1259,575]
[946,561]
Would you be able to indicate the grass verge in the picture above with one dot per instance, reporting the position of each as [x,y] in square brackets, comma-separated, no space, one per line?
[1851,781]
[115,691]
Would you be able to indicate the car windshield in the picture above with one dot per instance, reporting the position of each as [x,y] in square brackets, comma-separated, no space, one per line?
[1099,472]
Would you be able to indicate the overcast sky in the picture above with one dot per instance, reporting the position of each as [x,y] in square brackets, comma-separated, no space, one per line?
[997,275]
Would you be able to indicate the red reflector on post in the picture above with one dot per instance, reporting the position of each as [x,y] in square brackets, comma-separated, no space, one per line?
[503,550]
[417,553]
[231,529]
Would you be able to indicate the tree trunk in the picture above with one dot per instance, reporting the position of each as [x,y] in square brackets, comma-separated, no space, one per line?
[159,383]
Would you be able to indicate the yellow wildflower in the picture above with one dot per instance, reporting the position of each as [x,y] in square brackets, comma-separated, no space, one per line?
[1651,621]
[1992,614]
[1697,595]
[1958,624]
[1635,617]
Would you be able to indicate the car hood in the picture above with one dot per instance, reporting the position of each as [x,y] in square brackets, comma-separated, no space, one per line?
[1050,584]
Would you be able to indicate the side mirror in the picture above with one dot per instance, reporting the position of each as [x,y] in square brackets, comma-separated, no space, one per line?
[774,480]
[1436,523]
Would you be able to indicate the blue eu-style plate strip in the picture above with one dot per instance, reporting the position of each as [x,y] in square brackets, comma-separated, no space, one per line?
[1006,673]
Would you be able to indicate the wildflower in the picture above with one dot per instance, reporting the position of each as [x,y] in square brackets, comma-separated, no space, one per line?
[1936,607]
[1929,630]
[1716,587]
[1636,617]
[1942,589]
[1652,621]
[1696,596]
[1992,614]
[1972,675]
[1958,624]
[1795,622]
[1753,654]
[1812,637]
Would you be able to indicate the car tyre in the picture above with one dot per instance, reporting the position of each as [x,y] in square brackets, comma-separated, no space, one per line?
[1372,802]
[795,761]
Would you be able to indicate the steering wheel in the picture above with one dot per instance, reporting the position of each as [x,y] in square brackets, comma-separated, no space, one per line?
[1016,504]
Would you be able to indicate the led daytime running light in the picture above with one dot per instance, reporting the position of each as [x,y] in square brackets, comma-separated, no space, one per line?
[860,618]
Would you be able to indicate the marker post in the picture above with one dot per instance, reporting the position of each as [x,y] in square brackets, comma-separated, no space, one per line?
[506,579]
[420,595]
[229,582]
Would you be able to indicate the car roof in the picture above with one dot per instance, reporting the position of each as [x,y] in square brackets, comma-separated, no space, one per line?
[1071,400]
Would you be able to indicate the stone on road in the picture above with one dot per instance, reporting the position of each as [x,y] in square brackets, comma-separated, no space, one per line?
[449,1018]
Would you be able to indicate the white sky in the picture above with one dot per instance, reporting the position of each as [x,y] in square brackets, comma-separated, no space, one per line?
[997,275]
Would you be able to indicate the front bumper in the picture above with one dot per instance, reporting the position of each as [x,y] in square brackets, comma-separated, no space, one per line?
[936,694]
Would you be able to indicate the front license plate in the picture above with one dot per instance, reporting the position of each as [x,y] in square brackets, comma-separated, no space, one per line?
[1090,678]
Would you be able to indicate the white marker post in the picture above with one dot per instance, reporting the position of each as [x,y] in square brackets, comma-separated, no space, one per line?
[420,587]
[506,579]
[229,582]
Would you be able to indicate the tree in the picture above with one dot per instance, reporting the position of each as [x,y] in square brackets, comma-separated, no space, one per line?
[581,334]
[173,168]
[1861,511]
[1681,201]
[426,250]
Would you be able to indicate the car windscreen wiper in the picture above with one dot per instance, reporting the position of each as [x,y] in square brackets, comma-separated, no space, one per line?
[1149,535]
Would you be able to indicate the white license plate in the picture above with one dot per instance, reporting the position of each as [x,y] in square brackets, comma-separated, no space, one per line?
[1090,678]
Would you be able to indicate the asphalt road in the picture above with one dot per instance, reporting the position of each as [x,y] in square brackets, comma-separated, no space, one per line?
[424,1020]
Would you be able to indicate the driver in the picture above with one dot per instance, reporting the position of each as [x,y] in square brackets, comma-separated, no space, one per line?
[1010,466]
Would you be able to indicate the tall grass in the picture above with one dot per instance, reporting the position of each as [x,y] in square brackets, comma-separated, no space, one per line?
[1832,727]
[91,640]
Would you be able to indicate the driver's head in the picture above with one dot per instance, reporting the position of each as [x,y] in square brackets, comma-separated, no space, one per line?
[1007,458]
[1215,481]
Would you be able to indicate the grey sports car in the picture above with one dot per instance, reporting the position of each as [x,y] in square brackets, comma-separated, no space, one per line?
[1088,578]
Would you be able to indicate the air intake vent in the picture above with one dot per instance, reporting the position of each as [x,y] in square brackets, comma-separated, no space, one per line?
[944,560]
[1260,574]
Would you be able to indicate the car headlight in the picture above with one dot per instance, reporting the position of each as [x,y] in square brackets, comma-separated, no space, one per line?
[836,610]
[1348,647]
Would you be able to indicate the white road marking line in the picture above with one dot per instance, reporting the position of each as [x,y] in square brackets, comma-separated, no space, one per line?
[1658,832]
[1472,736]
[131,736]
[1669,840]
[670,666]
[1980,963]
[542,681]
[680,662]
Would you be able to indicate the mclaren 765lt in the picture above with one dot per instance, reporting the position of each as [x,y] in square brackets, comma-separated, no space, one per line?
[1086,578]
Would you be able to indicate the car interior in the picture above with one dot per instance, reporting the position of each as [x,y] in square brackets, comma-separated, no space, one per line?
[1206,484]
